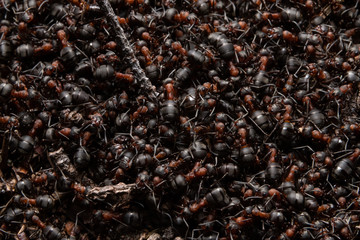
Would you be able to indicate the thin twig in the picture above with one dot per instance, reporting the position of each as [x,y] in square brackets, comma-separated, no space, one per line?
[128,52]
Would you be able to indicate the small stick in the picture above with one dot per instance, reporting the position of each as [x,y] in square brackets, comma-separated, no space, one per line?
[128,52]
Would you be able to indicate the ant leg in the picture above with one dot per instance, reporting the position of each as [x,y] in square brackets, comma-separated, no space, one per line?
[73,231]
[81,51]
[258,126]
[198,193]
[8,233]
[305,146]
[6,205]
[171,221]
[105,138]
[212,112]
[187,227]
[349,152]
[268,136]
[64,136]
[270,199]
[40,6]
[193,233]
[231,236]
[131,130]
[327,180]
[196,115]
